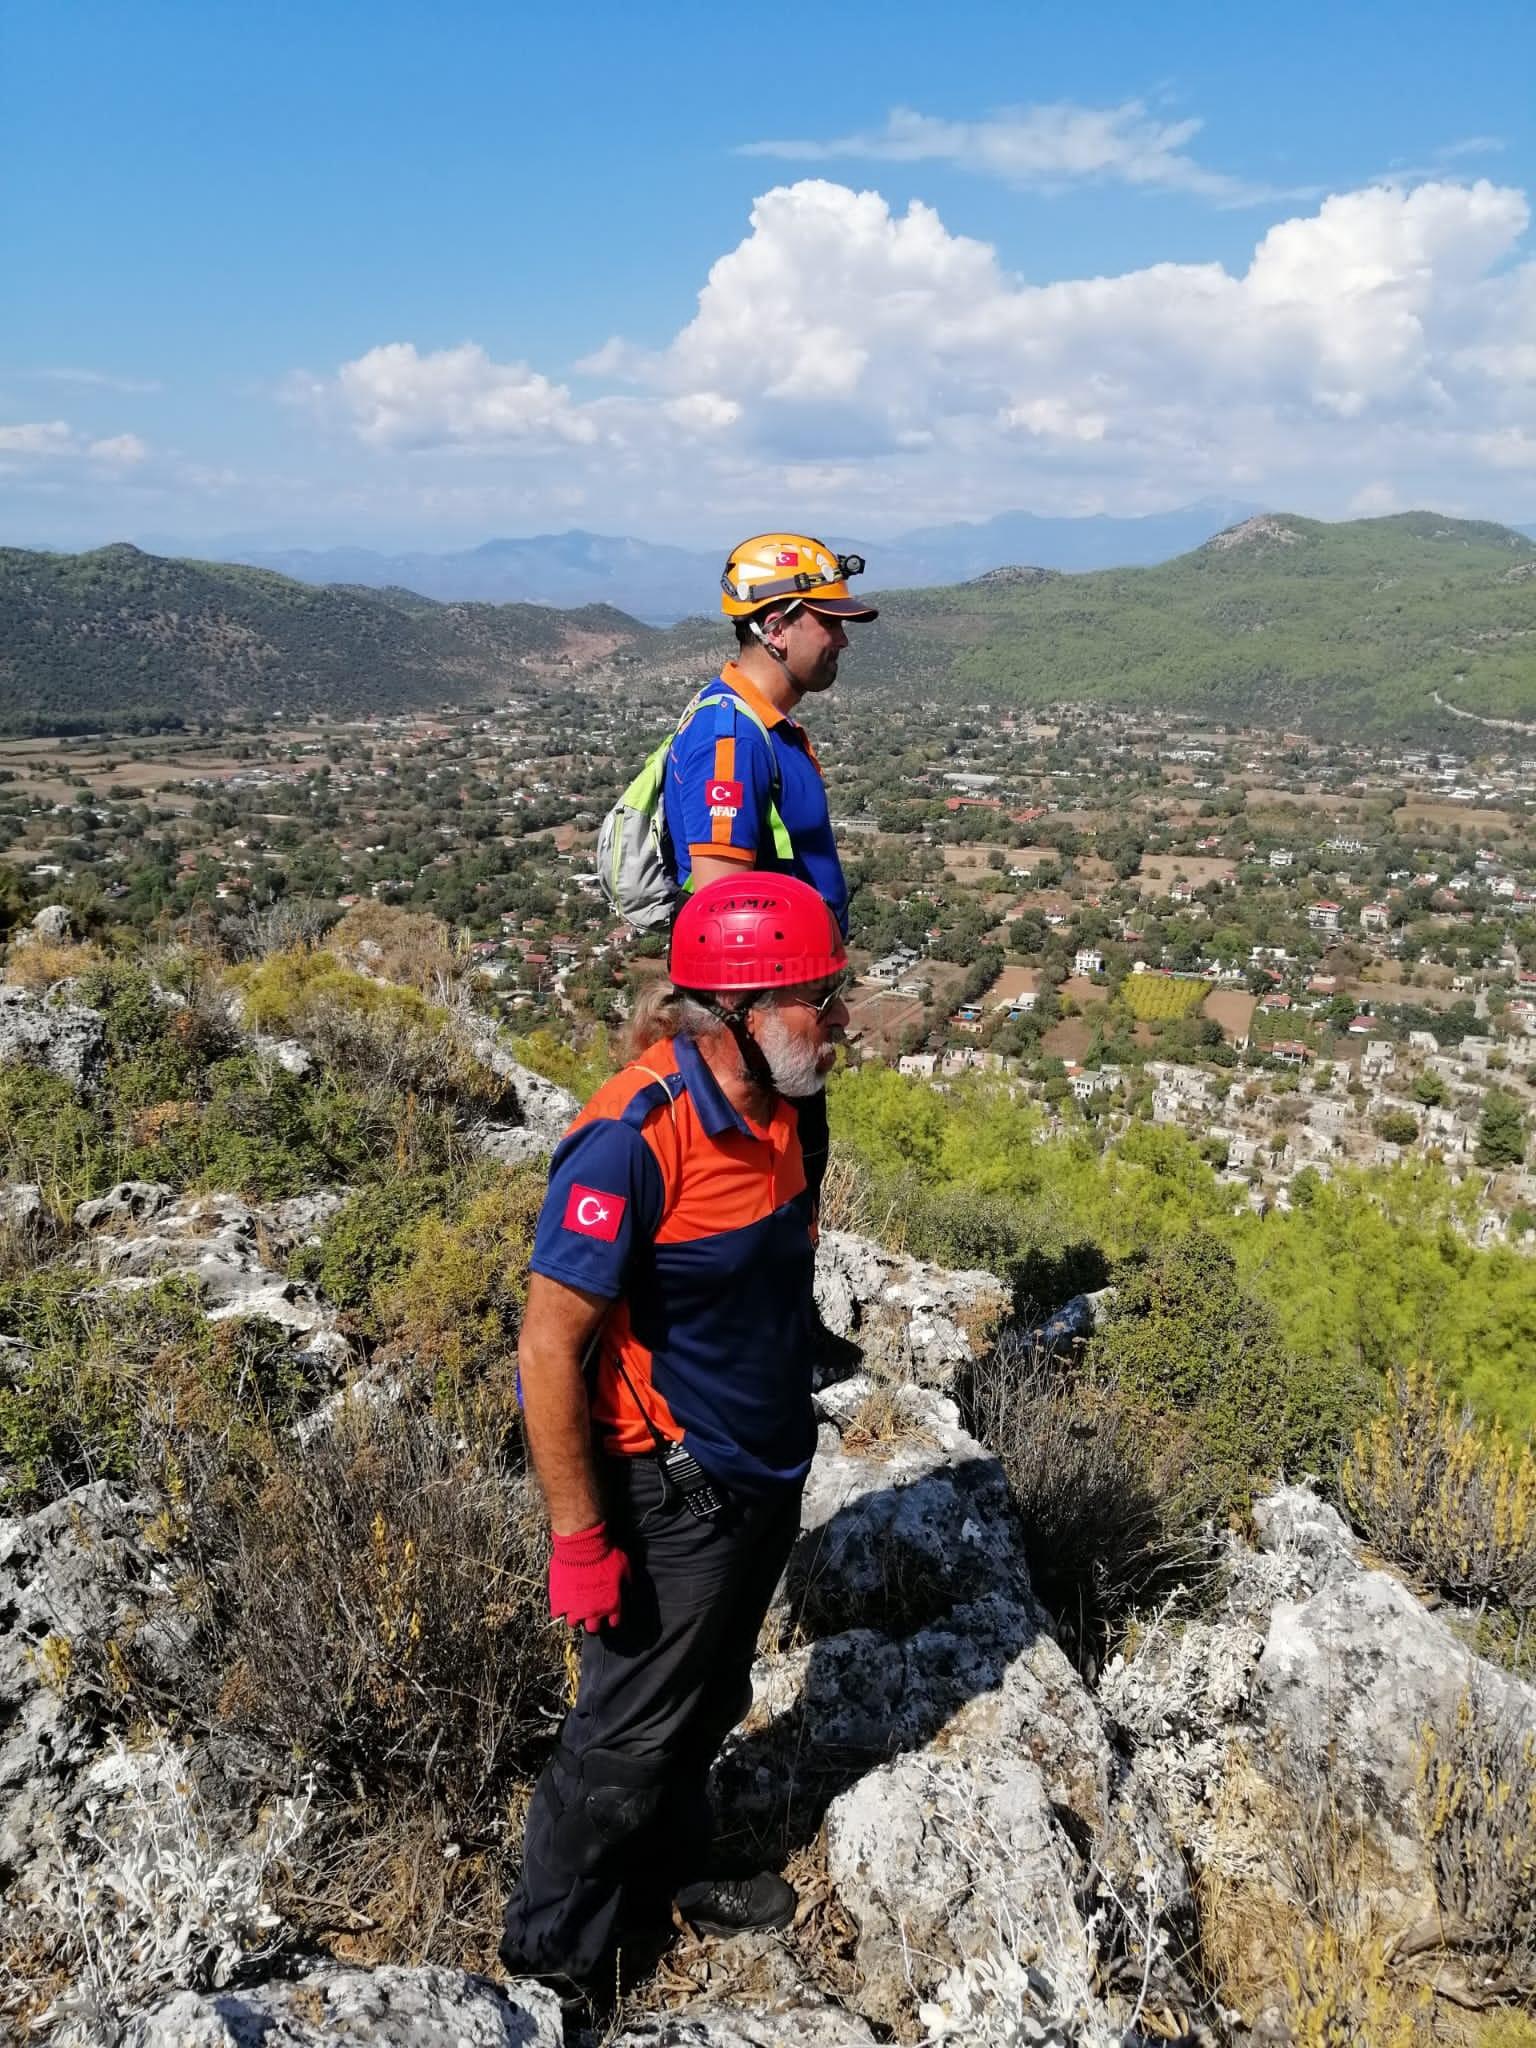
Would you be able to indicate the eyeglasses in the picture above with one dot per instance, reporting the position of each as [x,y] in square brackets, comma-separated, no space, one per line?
[835,995]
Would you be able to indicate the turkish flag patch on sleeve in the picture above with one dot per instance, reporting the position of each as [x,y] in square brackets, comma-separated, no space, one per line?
[591,1213]
[724,796]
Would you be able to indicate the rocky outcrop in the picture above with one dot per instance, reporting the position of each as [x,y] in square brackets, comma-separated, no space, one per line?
[65,1038]
[72,1576]
[544,1110]
[906,1317]
[140,1233]
[972,1803]
[384,2008]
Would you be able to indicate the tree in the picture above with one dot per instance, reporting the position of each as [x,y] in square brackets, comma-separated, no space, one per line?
[1430,1089]
[1397,1126]
[1501,1131]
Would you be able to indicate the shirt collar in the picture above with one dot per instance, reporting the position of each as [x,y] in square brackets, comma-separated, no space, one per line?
[715,1114]
[737,680]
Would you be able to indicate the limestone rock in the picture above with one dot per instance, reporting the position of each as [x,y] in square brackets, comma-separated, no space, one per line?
[430,2007]
[52,923]
[63,1037]
[1348,1681]
[908,1316]
[130,1201]
[1293,1522]
[214,1241]
[21,1204]
[545,1110]
[71,1573]
[939,1863]
[286,1053]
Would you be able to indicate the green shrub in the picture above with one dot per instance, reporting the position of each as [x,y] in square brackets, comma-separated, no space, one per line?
[369,1032]
[48,1135]
[1185,1338]
[1105,1529]
[458,1304]
[374,1612]
[368,1244]
[114,1385]
[256,1130]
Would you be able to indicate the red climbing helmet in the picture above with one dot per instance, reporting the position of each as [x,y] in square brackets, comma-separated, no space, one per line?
[764,931]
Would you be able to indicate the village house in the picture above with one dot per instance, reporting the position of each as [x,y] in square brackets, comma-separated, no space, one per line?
[1323,917]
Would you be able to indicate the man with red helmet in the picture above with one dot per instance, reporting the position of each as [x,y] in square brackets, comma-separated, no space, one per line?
[665,1364]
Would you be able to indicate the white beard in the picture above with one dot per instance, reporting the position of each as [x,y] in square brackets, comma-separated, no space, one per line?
[794,1064]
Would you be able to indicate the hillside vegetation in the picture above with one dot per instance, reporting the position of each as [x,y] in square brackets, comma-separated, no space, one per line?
[1370,626]
[1280,621]
[125,640]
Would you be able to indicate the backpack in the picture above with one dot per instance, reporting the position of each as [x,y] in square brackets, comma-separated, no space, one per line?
[635,867]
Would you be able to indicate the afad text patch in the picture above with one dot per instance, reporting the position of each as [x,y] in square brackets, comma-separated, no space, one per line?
[591,1213]
[724,799]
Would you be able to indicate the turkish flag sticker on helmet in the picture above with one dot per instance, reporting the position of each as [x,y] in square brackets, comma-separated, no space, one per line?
[591,1213]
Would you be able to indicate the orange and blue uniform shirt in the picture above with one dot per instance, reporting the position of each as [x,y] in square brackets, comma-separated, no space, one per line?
[696,1224]
[718,789]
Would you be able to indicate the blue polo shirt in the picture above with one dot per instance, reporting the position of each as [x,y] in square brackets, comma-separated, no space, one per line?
[696,1225]
[719,787]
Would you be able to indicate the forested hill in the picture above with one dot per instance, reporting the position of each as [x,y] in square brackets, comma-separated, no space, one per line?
[1374,626]
[1280,621]
[123,639]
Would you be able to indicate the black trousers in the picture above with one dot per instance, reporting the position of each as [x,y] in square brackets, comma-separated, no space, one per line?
[620,1818]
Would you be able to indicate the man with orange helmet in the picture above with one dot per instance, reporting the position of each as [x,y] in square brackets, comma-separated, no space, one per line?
[665,1364]
[743,787]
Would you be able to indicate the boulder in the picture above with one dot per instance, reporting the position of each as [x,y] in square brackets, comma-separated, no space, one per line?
[911,1319]
[65,1038]
[21,1204]
[1349,1681]
[429,2007]
[52,923]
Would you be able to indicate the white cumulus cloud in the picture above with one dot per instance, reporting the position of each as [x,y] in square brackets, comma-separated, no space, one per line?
[395,397]
[1041,148]
[862,365]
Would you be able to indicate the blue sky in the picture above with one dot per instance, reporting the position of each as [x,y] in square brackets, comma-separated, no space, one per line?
[400,275]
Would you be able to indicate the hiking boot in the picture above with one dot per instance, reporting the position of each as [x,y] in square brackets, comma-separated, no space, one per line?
[738,1905]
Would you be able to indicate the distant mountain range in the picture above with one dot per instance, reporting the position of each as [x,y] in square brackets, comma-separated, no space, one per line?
[1370,626]
[661,584]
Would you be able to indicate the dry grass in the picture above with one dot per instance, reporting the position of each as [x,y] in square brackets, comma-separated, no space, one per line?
[1477,1798]
[1094,1492]
[369,1609]
[37,964]
[1444,1497]
[887,1415]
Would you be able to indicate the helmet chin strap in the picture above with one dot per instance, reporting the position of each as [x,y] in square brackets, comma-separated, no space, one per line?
[774,653]
[753,1059]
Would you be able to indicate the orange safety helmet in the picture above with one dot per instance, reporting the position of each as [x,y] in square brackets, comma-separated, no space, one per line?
[792,566]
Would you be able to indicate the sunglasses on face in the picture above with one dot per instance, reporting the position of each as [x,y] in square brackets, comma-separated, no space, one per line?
[821,1005]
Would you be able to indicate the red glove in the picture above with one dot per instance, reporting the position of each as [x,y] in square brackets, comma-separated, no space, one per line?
[586,1578]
